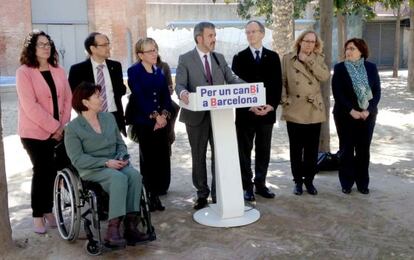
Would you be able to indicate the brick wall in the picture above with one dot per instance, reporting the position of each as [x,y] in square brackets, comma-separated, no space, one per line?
[117,19]
[15,24]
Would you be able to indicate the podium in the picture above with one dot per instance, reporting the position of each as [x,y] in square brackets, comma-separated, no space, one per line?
[220,100]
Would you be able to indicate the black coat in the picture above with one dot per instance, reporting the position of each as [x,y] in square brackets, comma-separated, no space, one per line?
[343,91]
[267,71]
[84,72]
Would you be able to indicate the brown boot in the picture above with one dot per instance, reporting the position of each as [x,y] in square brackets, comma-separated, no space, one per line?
[131,232]
[113,237]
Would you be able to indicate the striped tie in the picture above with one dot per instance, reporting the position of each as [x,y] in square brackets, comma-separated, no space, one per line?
[101,81]
[208,71]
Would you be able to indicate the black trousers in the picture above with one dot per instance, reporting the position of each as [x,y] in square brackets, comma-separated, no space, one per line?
[154,158]
[261,135]
[355,138]
[41,153]
[304,145]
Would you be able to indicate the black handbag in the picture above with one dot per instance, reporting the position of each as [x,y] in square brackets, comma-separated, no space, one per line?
[328,161]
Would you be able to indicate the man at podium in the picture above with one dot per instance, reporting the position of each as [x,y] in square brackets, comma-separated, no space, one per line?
[254,125]
[200,67]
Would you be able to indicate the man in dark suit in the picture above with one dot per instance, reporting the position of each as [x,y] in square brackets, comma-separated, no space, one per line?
[91,70]
[257,64]
[200,67]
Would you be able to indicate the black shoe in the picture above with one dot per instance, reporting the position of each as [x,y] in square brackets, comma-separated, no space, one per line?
[297,190]
[311,189]
[346,191]
[364,191]
[265,192]
[200,203]
[155,204]
[213,200]
[249,196]
[158,204]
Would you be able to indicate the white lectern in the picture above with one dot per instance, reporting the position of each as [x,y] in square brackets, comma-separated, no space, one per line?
[229,211]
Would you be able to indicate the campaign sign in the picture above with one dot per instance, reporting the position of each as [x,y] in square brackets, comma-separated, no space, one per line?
[227,96]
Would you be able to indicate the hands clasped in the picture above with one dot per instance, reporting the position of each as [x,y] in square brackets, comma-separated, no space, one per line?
[261,110]
[359,115]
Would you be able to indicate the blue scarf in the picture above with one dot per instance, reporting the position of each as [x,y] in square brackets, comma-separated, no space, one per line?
[359,77]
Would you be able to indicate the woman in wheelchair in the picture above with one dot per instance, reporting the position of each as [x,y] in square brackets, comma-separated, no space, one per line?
[96,149]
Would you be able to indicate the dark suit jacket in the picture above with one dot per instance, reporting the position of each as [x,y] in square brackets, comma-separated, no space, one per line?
[149,93]
[343,91]
[267,71]
[84,72]
[190,74]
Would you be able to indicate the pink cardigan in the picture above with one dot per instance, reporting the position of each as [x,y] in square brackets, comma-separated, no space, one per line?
[36,105]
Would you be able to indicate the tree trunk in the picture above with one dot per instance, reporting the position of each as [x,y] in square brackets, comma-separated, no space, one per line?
[326,10]
[410,80]
[341,27]
[397,44]
[283,26]
[6,241]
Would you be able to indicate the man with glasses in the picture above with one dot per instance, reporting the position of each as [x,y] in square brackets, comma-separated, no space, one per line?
[99,69]
[254,125]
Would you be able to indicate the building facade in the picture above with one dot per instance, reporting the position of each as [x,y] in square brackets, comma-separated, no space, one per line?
[68,23]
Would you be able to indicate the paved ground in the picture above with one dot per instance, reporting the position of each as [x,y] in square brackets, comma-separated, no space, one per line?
[330,225]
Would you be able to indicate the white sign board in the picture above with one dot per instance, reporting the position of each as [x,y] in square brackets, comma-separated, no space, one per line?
[214,97]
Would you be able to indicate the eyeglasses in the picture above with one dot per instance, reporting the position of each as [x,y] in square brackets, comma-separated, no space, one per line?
[350,49]
[103,44]
[252,32]
[43,45]
[150,51]
[309,42]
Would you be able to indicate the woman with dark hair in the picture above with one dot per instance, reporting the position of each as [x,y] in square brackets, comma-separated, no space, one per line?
[356,89]
[96,149]
[303,107]
[151,103]
[44,109]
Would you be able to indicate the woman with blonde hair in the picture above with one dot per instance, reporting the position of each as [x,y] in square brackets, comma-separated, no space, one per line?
[149,113]
[303,107]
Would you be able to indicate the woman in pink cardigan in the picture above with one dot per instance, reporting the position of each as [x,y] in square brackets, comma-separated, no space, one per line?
[44,108]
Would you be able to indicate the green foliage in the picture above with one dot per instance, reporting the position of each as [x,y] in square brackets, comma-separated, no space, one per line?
[355,7]
[248,8]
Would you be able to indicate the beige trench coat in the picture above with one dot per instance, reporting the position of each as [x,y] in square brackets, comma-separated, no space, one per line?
[301,93]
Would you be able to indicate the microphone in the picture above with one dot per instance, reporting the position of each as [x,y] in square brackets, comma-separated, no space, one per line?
[218,63]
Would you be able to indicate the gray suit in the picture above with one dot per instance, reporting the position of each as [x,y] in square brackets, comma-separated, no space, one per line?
[89,151]
[190,75]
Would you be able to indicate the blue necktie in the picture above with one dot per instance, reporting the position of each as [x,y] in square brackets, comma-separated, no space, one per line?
[257,59]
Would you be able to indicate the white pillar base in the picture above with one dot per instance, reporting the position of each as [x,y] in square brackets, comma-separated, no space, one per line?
[209,217]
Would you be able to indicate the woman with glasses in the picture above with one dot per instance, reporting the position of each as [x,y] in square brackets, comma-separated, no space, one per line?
[303,107]
[44,109]
[356,89]
[149,112]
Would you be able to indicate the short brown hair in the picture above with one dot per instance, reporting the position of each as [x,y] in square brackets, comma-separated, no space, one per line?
[83,91]
[318,44]
[361,46]
[28,54]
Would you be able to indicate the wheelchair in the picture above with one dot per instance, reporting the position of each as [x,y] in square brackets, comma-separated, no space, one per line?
[72,194]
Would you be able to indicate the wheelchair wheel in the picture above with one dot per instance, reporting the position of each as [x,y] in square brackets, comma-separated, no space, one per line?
[66,202]
[93,248]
